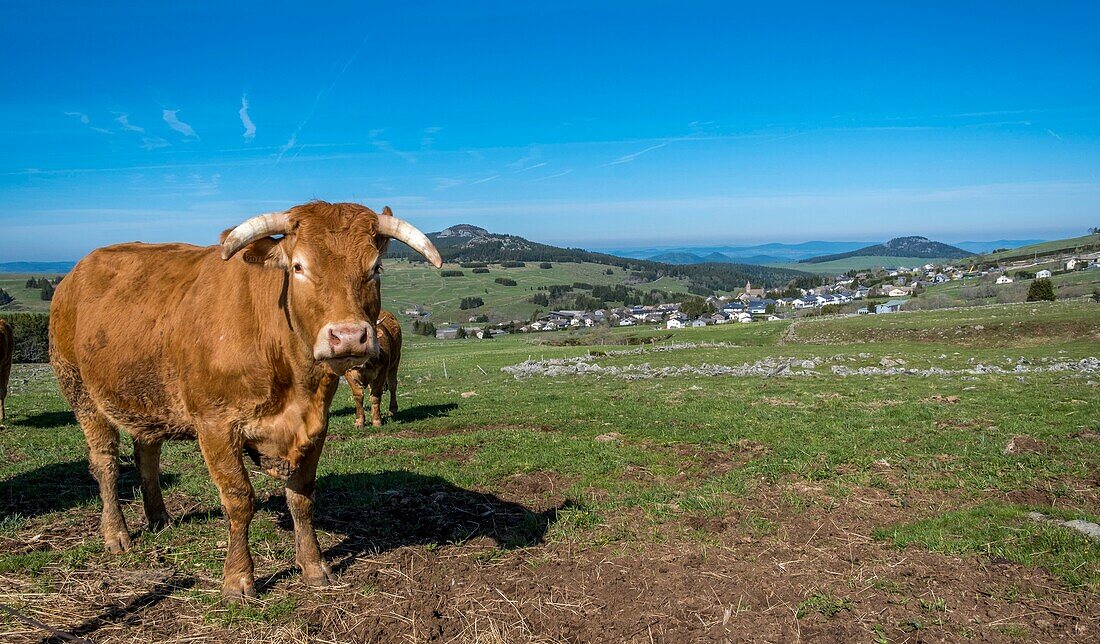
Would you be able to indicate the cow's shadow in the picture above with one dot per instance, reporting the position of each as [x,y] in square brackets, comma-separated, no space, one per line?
[61,486]
[382,511]
[407,415]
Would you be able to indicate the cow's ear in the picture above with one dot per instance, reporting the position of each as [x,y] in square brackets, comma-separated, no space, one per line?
[267,251]
[383,242]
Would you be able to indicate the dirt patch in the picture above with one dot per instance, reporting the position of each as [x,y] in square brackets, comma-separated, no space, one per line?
[1030,497]
[537,489]
[1024,445]
[705,461]
[459,454]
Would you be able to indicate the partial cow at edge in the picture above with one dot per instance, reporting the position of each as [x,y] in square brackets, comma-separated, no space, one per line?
[287,303]
[378,373]
[7,347]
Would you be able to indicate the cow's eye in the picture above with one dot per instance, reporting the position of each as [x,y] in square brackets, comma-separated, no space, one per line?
[298,268]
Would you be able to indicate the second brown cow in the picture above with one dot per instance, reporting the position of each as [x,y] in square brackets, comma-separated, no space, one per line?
[7,344]
[379,373]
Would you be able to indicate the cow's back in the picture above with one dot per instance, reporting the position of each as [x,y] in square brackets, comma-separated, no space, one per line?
[114,322]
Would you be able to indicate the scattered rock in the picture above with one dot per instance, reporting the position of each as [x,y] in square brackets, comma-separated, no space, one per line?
[891,362]
[1087,528]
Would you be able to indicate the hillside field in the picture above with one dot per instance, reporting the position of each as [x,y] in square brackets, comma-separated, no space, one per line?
[406,284]
[1085,242]
[26,299]
[845,479]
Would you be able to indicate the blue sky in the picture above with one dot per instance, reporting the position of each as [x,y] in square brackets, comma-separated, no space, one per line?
[629,124]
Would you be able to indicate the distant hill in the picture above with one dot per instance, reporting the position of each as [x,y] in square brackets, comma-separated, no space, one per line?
[467,243]
[36,267]
[770,253]
[899,247]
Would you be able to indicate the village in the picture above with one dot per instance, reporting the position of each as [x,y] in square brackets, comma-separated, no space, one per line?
[865,292]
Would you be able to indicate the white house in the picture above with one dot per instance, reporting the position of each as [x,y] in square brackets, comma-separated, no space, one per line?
[898,291]
[699,322]
[1004,279]
[1071,264]
[673,323]
[1042,274]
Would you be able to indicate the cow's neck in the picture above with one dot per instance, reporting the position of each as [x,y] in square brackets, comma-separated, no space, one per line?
[297,409]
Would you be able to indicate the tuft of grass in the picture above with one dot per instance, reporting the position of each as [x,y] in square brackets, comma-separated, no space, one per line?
[823,603]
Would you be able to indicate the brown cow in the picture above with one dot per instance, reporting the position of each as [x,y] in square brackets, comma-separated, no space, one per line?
[378,373]
[241,350]
[7,345]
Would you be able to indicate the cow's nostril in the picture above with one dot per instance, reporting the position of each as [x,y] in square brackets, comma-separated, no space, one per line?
[333,338]
[363,338]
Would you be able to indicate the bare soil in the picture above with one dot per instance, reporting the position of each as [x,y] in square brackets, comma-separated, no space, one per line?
[437,563]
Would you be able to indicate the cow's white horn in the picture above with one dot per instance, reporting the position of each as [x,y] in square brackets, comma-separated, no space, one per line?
[272,223]
[395,228]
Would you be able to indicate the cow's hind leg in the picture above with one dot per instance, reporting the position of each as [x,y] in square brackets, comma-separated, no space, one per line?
[102,438]
[376,400]
[224,460]
[300,488]
[391,382]
[356,384]
[147,456]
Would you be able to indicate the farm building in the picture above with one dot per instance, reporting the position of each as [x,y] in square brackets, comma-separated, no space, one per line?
[1043,274]
[1004,279]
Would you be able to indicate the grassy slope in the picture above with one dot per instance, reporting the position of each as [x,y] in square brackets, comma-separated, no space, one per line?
[862,262]
[821,444]
[1027,252]
[407,284]
[28,300]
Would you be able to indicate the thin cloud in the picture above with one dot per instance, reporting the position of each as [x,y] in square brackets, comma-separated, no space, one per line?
[531,167]
[246,121]
[153,143]
[123,120]
[288,145]
[386,146]
[428,138]
[176,124]
[485,180]
[627,158]
[446,183]
[86,120]
[1054,134]
[551,176]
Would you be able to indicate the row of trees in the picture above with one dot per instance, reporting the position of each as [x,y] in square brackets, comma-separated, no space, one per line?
[32,336]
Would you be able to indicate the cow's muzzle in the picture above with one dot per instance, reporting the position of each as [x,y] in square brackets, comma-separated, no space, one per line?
[346,340]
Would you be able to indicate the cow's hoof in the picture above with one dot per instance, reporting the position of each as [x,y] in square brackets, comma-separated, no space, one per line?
[117,542]
[160,521]
[238,591]
[318,576]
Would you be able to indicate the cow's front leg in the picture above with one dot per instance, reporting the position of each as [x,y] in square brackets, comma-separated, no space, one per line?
[224,460]
[300,489]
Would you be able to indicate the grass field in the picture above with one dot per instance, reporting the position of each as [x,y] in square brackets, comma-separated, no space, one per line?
[1045,248]
[26,299]
[641,501]
[859,263]
[411,284]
